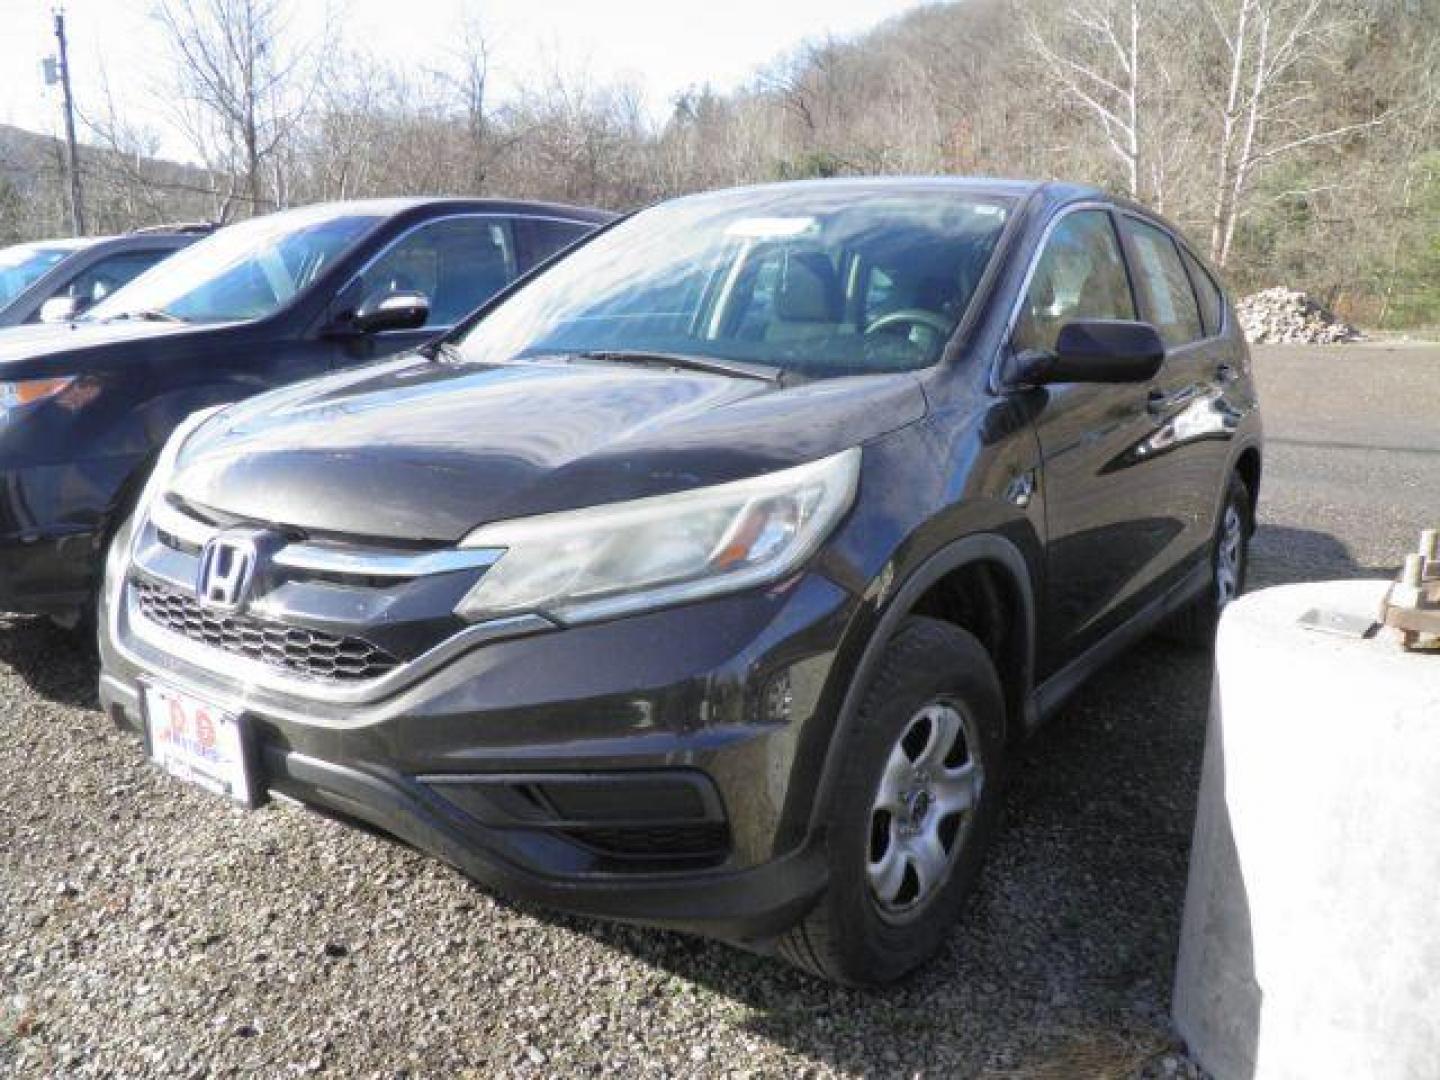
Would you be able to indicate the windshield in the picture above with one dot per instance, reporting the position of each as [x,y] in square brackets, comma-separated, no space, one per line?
[245,271]
[816,281]
[22,265]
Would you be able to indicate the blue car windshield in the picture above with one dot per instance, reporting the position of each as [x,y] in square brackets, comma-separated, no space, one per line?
[242,272]
[818,280]
[22,265]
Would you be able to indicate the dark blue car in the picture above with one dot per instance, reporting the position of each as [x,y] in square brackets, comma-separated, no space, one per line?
[85,405]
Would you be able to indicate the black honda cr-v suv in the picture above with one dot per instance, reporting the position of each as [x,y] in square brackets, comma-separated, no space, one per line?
[85,405]
[708,578]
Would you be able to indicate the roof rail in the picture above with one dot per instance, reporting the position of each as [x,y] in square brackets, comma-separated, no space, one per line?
[199,228]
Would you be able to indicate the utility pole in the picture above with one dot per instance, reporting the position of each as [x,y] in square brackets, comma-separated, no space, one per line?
[77,203]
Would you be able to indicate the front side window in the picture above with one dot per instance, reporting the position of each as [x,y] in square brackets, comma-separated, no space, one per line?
[819,281]
[455,263]
[107,276]
[23,265]
[245,271]
[1165,292]
[1080,275]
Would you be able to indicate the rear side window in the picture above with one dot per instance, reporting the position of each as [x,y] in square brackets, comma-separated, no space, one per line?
[550,237]
[1166,297]
[1080,275]
[455,263]
[1212,306]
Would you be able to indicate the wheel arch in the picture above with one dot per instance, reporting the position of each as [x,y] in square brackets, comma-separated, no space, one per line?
[987,562]
[1249,465]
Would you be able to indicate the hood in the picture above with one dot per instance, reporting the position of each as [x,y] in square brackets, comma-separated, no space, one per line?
[425,452]
[19,344]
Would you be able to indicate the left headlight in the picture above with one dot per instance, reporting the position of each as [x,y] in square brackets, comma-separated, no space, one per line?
[582,565]
[15,395]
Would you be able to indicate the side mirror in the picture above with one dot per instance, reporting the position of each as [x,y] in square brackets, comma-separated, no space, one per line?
[394,311]
[1095,351]
[59,309]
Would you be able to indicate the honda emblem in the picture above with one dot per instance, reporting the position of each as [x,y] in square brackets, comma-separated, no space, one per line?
[227,570]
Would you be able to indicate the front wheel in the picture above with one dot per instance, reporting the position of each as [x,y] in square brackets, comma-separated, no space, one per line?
[914,809]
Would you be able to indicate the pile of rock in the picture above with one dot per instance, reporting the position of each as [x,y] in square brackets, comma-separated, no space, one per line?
[1289,317]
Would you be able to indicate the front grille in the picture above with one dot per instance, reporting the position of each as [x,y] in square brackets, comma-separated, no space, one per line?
[311,654]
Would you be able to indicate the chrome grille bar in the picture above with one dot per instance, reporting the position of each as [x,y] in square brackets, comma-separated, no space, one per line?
[167,518]
[315,559]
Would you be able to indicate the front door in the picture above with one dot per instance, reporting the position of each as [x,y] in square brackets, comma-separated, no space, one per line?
[1187,401]
[1106,508]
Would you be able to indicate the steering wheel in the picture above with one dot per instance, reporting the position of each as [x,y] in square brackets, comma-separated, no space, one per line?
[910,317]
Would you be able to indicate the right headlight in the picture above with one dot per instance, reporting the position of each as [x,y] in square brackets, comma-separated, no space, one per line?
[595,563]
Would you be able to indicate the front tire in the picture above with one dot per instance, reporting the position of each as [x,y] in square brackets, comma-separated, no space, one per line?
[915,808]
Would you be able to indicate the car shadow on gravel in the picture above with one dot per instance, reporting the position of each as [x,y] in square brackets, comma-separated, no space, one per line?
[1281,554]
[1063,963]
[54,663]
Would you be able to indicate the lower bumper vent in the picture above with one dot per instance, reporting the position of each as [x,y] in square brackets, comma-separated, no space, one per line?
[705,843]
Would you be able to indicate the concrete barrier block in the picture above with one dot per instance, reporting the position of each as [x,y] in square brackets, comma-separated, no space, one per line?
[1310,945]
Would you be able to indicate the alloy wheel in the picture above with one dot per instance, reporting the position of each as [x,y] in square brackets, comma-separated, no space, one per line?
[1229,556]
[926,799]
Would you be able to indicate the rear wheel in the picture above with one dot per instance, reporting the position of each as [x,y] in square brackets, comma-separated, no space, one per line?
[1229,565]
[914,809]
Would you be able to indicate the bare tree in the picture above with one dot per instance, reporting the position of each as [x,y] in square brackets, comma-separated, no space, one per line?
[1273,49]
[1097,57]
[471,80]
[240,74]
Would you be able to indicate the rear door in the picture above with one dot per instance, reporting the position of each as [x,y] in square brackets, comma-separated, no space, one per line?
[1186,401]
[1105,513]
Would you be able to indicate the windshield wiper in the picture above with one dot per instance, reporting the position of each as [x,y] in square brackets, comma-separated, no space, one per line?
[147,315]
[739,369]
[438,352]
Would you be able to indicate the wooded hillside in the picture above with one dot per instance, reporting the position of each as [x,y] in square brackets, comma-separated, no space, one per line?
[1296,141]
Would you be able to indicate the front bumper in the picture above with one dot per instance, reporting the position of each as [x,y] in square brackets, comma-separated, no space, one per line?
[716,698]
[53,518]
[50,573]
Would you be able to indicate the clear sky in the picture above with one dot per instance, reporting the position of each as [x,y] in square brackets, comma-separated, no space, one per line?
[662,46]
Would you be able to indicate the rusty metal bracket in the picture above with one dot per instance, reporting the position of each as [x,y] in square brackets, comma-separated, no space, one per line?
[1412,605]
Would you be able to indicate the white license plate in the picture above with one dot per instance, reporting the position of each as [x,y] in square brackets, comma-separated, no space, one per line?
[198,742]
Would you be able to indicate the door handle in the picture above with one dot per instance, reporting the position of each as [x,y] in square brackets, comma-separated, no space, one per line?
[1157,401]
[1226,373]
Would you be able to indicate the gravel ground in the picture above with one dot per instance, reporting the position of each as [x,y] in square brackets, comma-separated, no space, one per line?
[150,930]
